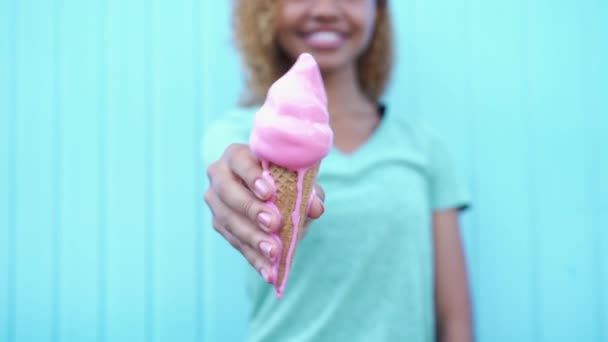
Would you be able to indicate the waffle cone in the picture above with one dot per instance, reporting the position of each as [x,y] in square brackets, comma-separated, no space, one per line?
[286,183]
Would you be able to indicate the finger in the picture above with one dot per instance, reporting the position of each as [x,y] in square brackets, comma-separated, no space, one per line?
[237,197]
[210,199]
[317,208]
[249,234]
[244,230]
[247,167]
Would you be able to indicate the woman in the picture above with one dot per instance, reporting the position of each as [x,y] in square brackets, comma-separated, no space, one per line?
[383,260]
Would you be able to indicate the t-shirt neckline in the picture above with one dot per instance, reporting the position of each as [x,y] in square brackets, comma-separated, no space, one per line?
[370,141]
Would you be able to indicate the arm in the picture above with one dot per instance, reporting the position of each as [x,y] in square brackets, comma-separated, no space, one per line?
[452,301]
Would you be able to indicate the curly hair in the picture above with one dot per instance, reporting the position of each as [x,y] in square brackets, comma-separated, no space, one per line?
[265,62]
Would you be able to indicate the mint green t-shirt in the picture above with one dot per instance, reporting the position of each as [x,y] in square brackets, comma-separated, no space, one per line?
[364,272]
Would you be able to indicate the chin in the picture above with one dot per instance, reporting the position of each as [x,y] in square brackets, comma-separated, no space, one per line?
[330,61]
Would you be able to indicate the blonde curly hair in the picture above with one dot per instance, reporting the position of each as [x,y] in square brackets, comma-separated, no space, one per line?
[254,34]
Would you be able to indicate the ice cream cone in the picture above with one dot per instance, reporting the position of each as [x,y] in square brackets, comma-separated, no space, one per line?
[290,136]
[293,197]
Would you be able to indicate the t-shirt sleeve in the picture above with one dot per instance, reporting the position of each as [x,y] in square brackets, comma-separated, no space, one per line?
[447,186]
[232,127]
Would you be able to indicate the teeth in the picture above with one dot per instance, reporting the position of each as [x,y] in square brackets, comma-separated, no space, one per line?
[324,37]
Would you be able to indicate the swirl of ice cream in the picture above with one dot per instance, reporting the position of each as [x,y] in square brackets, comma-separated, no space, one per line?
[292,128]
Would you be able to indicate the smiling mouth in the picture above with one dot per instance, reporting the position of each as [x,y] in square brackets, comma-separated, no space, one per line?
[324,39]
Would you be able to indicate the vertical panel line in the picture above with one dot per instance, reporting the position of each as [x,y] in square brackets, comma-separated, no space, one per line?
[56,179]
[599,280]
[12,177]
[599,230]
[534,232]
[149,177]
[590,113]
[600,225]
[197,110]
[103,183]
[207,248]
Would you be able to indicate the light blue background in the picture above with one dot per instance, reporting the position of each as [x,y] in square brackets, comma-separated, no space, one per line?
[103,236]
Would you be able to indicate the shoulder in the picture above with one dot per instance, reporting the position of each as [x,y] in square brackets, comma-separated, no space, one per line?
[416,133]
[420,141]
[446,184]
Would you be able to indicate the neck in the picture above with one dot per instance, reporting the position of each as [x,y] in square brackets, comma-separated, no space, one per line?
[344,94]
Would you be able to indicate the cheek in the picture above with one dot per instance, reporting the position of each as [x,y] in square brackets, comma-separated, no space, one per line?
[288,42]
[365,22]
[284,33]
[289,13]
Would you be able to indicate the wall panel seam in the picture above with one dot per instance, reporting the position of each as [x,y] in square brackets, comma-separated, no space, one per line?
[150,174]
[534,237]
[197,111]
[56,173]
[103,178]
[12,177]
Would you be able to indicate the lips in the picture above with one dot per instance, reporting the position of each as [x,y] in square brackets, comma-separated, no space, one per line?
[324,39]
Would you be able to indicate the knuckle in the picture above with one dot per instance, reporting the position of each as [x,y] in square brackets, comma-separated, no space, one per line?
[251,171]
[229,149]
[233,150]
[222,188]
[229,224]
[211,169]
[211,203]
[234,242]
[223,222]
[216,225]
[248,207]
[208,197]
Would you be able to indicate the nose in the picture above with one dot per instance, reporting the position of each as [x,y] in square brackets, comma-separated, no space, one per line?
[325,9]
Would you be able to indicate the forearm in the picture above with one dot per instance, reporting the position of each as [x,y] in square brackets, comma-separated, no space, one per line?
[452,299]
[454,329]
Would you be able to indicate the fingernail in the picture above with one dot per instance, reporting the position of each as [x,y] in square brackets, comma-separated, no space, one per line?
[267,250]
[261,188]
[265,275]
[265,219]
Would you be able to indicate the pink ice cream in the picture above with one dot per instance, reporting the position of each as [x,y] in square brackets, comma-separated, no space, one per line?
[292,127]
[292,130]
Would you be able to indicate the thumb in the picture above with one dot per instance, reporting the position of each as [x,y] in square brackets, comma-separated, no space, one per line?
[316,206]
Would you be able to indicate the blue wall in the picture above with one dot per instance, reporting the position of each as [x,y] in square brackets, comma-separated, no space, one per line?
[103,235]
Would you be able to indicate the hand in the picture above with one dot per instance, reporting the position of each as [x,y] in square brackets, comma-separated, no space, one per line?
[236,198]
